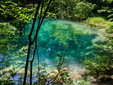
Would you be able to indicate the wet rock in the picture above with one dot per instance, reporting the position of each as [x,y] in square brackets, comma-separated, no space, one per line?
[92,79]
[74,75]
[112,77]
[21,71]
[49,81]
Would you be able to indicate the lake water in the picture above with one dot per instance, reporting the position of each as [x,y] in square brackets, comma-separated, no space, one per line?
[72,41]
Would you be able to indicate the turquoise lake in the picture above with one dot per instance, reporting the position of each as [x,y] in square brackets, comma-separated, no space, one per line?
[73,41]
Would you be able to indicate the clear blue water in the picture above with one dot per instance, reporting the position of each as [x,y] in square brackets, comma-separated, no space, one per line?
[73,41]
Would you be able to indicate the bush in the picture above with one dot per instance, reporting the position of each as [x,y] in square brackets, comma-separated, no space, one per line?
[72,9]
[101,65]
[5,82]
[83,10]
[7,33]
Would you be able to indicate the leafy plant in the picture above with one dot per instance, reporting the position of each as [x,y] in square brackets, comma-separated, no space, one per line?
[101,65]
[5,82]
[7,34]
[72,9]
[14,13]
[83,10]
[81,82]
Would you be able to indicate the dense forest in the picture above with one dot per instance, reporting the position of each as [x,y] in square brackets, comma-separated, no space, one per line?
[67,28]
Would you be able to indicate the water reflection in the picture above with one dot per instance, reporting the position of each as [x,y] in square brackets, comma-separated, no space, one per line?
[15,79]
[1,57]
[18,79]
[71,40]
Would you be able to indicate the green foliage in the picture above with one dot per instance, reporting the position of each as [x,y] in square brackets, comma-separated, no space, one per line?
[65,77]
[99,22]
[23,51]
[81,82]
[14,13]
[103,8]
[108,11]
[8,43]
[12,17]
[7,36]
[98,65]
[109,1]
[101,65]
[5,82]
[71,9]
[110,16]
[83,10]
[51,15]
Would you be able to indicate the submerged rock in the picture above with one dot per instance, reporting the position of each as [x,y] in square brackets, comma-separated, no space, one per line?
[49,81]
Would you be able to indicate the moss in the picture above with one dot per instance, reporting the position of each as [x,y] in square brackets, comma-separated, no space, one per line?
[99,22]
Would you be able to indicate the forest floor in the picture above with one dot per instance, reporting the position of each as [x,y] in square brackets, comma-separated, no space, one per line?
[109,82]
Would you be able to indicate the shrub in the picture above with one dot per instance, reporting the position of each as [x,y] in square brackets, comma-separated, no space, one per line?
[83,10]
[5,82]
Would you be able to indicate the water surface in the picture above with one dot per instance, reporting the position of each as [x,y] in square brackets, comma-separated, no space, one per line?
[73,41]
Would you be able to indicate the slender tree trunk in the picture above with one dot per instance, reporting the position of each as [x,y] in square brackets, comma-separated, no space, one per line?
[27,61]
[34,40]
[31,64]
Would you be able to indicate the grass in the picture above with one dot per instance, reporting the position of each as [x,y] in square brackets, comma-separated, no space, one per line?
[99,22]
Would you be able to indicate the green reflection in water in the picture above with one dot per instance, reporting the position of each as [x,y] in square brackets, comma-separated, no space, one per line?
[72,40]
